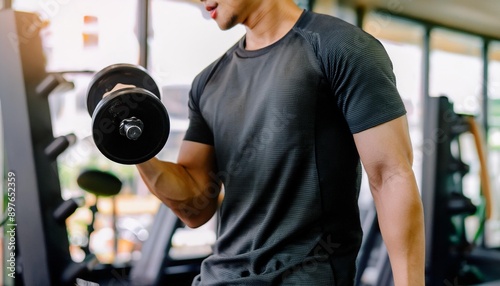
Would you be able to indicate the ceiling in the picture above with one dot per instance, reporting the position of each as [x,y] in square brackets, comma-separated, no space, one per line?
[480,17]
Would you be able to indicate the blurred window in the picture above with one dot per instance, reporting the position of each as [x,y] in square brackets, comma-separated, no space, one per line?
[86,35]
[456,69]
[185,40]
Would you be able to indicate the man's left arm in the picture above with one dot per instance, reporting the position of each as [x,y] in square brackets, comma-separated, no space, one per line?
[386,154]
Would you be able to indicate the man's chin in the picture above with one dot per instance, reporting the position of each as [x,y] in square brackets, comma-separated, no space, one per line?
[228,25]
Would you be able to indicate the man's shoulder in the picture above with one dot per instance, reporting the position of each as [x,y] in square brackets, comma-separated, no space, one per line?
[323,23]
[334,35]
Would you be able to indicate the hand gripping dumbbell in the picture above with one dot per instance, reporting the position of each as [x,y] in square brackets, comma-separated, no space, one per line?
[129,125]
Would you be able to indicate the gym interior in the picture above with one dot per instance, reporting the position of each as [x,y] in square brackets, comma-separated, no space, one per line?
[71,216]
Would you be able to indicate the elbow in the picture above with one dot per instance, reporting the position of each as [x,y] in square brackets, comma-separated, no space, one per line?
[195,213]
[383,176]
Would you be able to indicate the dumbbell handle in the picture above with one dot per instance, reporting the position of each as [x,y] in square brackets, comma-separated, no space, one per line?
[131,128]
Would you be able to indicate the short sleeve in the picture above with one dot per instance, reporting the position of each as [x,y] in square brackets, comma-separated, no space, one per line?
[198,129]
[361,77]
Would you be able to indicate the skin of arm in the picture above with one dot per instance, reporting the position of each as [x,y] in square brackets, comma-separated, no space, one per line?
[387,157]
[189,187]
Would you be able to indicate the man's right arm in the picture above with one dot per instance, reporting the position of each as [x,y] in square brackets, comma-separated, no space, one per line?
[189,187]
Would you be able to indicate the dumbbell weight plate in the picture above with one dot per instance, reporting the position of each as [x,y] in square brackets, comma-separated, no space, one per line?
[126,103]
[106,79]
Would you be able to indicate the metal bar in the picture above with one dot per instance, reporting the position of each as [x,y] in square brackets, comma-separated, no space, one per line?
[360,16]
[426,64]
[371,233]
[485,101]
[429,174]
[311,4]
[143,31]
[149,269]
[485,58]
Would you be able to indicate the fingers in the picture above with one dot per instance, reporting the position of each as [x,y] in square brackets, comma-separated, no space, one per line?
[118,87]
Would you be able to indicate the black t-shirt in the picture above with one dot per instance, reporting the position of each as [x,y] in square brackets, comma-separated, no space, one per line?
[281,120]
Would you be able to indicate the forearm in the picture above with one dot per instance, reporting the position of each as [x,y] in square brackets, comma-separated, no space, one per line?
[401,221]
[192,199]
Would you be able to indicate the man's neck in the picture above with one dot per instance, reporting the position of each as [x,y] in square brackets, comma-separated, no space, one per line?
[270,22]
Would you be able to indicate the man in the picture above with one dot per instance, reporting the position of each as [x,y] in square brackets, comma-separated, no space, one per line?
[281,121]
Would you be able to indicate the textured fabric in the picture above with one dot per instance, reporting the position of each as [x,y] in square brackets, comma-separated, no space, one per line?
[281,120]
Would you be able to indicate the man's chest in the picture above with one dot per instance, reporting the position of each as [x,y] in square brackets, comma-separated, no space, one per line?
[269,92]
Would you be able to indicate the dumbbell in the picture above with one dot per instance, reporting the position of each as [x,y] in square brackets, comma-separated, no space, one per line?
[129,125]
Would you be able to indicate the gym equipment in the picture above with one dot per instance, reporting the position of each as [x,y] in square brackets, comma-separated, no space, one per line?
[66,209]
[41,250]
[59,145]
[129,125]
[451,256]
[100,184]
